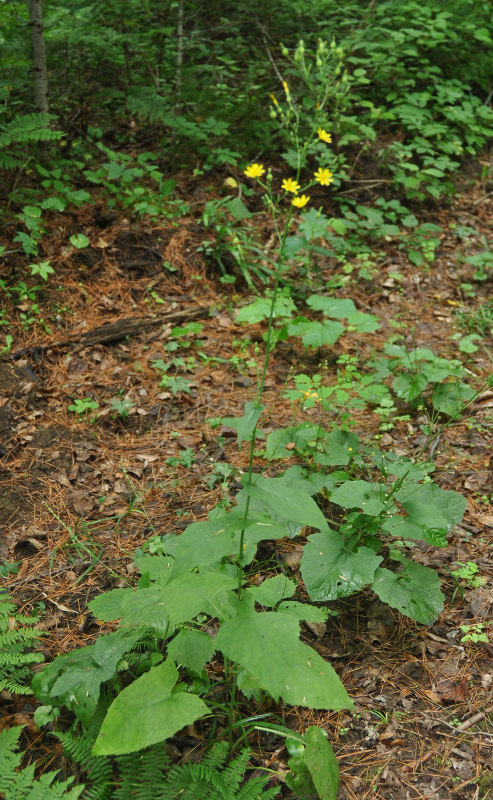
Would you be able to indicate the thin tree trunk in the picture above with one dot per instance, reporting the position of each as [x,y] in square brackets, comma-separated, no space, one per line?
[179,57]
[40,74]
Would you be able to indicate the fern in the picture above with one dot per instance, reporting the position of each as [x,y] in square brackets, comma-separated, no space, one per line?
[16,636]
[22,130]
[21,784]
[98,769]
[209,780]
[149,774]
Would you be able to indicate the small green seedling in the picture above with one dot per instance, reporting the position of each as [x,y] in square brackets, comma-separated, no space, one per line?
[468,574]
[185,459]
[474,633]
[121,407]
[81,406]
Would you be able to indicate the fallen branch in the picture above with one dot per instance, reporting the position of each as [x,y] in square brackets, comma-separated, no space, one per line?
[113,331]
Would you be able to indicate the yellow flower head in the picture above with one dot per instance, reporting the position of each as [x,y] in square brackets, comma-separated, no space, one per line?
[290,185]
[286,88]
[324,136]
[324,176]
[299,202]
[274,99]
[254,171]
[230,182]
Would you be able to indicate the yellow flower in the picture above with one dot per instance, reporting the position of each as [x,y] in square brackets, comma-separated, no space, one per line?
[324,176]
[286,88]
[254,171]
[324,136]
[274,99]
[230,182]
[290,185]
[299,202]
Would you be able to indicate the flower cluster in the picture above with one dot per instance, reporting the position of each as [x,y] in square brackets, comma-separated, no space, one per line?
[323,175]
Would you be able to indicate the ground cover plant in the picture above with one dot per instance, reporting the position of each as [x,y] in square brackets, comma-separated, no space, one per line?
[247,490]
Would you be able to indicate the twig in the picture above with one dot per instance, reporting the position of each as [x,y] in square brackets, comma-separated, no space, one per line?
[114,331]
[434,445]
[485,197]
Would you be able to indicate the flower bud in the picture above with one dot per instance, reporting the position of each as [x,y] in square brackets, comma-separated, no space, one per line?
[284,51]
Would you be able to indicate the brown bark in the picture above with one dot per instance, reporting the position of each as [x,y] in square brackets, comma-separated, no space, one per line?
[38,55]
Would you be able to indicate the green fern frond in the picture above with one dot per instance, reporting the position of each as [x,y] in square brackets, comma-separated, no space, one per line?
[21,131]
[98,769]
[16,635]
[21,784]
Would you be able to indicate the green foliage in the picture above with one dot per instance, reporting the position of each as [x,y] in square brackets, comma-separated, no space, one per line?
[150,773]
[315,772]
[17,640]
[22,785]
[18,134]
[81,406]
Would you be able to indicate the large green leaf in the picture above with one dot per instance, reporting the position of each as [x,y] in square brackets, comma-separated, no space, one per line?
[360,494]
[192,649]
[194,593]
[415,591]
[409,386]
[204,545]
[450,398]
[322,763]
[364,323]
[334,307]
[267,645]
[246,424]
[108,606]
[75,678]
[290,502]
[303,611]
[281,443]
[315,334]
[147,712]
[272,591]
[432,507]
[330,572]
[145,607]
[264,528]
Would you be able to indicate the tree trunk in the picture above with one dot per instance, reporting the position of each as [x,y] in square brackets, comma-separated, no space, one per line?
[40,75]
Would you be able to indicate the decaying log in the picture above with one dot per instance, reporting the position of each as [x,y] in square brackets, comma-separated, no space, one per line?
[114,331]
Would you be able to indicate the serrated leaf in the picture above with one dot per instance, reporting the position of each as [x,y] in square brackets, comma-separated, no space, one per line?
[360,494]
[364,323]
[334,307]
[147,712]
[238,209]
[281,443]
[195,593]
[322,763]
[329,571]
[267,645]
[415,591]
[430,506]
[108,606]
[192,650]
[450,398]
[272,591]
[315,334]
[313,224]
[144,607]
[410,386]
[303,611]
[291,503]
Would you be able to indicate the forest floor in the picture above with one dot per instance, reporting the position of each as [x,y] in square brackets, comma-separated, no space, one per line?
[80,492]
